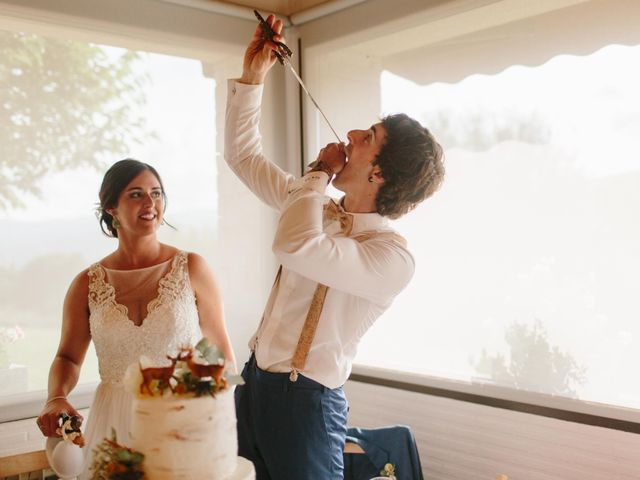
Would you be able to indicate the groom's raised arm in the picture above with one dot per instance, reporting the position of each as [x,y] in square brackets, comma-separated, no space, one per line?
[243,142]
[243,146]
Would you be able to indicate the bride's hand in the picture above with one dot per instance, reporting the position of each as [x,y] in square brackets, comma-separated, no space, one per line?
[49,419]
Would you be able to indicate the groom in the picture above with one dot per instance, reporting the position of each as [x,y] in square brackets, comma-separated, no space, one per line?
[342,266]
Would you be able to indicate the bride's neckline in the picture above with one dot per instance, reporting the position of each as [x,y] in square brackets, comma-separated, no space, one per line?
[138,269]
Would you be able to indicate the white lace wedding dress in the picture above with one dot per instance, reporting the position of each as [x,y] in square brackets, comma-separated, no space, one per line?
[171,322]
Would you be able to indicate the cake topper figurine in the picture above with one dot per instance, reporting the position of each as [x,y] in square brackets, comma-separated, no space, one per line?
[70,429]
[203,371]
[161,374]
[193,372]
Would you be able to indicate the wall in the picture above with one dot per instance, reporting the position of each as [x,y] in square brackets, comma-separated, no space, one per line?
[464,441]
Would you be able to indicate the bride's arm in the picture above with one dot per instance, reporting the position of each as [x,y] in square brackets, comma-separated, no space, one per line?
[74,342]
[210,308]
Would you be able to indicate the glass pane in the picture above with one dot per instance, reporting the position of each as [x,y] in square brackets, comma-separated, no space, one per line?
[528,259]
[68,111]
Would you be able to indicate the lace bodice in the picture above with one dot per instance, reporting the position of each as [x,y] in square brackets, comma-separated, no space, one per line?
[171,321]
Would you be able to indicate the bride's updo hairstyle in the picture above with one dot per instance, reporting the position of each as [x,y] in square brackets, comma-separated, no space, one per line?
[113,183]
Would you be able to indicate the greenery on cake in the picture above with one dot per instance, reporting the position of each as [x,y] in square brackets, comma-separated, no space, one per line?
[112,461]
[193,372]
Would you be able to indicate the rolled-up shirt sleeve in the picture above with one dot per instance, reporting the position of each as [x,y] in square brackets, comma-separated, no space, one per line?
[376,269]
[243,146]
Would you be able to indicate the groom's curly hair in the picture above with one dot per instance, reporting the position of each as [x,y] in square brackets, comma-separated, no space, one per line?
[411,162]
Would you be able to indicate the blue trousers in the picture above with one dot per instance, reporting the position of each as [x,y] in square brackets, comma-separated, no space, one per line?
[290,430]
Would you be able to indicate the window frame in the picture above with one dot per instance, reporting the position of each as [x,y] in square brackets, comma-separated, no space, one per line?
[484,393]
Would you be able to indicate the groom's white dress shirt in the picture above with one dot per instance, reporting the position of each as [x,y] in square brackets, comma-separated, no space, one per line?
[363,277]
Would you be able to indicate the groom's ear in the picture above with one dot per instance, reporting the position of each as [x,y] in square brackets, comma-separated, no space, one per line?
[376,175]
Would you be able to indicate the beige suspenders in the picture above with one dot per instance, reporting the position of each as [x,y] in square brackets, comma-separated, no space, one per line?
[315,309]
[308,331]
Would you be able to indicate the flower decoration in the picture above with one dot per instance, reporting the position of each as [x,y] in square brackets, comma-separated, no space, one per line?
[7,336]
[112,461]
[389,471]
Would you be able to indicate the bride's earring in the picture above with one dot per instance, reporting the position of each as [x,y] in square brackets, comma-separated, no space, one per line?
[115,223]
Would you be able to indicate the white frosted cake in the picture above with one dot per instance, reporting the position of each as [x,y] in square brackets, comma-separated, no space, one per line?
[187,438]
[184,420]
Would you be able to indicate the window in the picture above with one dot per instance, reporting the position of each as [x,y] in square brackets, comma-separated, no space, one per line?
[70,109]
[527,259]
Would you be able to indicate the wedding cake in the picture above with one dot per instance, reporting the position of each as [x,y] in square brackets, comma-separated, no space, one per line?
[188,438]
[184,421]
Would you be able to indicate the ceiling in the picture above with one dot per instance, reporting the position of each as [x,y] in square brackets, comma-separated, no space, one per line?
[282,7]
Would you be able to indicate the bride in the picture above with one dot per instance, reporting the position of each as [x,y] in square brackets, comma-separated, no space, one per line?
[145,298]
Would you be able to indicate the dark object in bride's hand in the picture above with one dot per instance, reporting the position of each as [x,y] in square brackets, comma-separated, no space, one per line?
[70,429]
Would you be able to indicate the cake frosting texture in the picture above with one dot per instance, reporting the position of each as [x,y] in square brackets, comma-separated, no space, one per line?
[185,437]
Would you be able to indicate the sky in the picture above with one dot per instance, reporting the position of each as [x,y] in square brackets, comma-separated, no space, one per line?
[590,103]
[181,110]
[580,99]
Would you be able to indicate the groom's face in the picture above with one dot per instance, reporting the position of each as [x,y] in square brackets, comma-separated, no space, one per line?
[362,149]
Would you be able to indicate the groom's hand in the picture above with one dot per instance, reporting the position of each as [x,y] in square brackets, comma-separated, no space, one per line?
[260,56]
[332,157]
